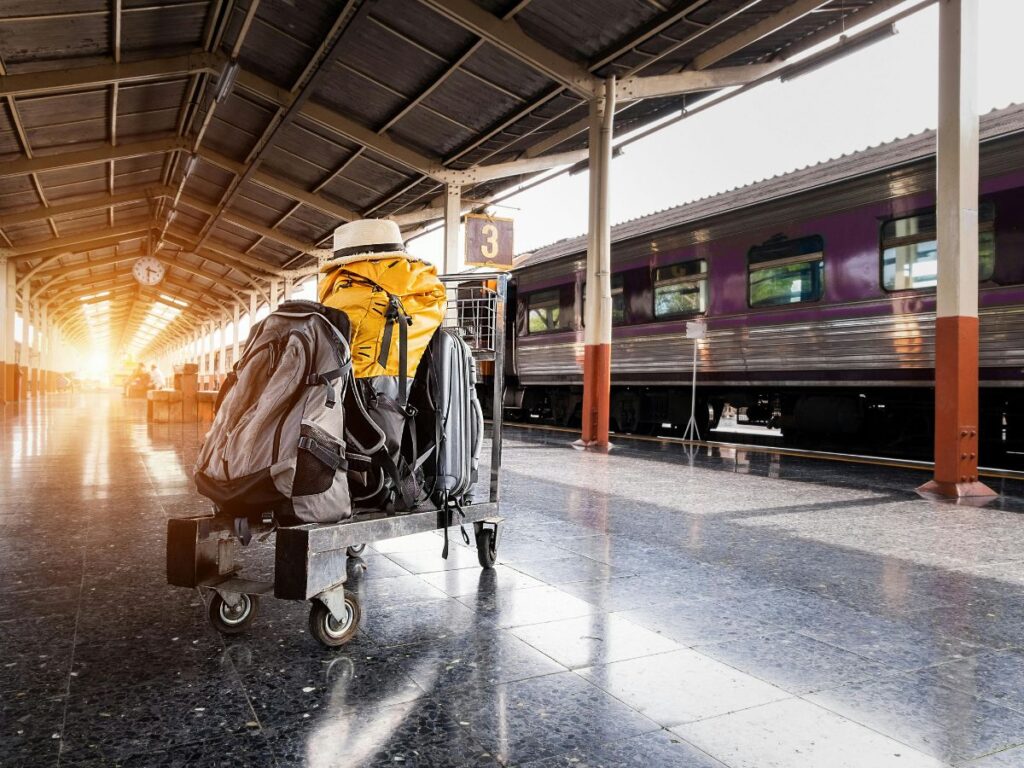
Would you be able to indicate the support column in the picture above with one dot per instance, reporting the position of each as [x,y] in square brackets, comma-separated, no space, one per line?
[273,293]
[597,337]
[956,219]
[203,336]
[453,257]
[44,351]
[234,336]
[289,285]
[253,299]
[7,279]
[221,351]
[26,342]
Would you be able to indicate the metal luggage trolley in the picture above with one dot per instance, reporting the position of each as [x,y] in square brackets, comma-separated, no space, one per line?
[311,560]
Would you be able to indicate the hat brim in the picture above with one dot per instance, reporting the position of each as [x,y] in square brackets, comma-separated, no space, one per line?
[336,261]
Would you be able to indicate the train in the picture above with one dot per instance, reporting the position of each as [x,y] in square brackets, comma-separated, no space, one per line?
[817,288]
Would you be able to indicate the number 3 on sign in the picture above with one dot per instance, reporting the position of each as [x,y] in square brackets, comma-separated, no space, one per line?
[488,240]
[489,248]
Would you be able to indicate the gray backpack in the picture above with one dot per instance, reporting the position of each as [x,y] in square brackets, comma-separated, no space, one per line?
[278,442]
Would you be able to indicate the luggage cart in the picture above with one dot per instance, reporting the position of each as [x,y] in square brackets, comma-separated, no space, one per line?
[311,560]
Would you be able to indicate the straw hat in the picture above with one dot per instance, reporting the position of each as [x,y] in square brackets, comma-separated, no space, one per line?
[366,239]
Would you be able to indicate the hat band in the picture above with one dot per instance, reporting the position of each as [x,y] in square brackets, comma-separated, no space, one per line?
[370,248]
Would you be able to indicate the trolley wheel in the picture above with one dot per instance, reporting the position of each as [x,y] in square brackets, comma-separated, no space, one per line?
[233,621]
[356,550]
[328,630]
[486,547]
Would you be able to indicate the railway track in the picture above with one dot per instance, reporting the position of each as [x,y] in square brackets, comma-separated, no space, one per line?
[802,453]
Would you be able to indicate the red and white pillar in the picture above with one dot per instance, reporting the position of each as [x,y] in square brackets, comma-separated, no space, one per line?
[956,321]
[597,338]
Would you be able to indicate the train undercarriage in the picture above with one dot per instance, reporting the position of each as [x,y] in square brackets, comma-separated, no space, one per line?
[884,421]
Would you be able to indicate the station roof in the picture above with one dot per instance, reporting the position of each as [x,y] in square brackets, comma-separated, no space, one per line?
[230,137]
[996,124]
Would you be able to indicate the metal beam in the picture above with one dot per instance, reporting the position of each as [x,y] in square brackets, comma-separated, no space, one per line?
[61,245]
[105,74]
[340,124]
[482,173]
[249,224]
[280,186]
[100,202]
[67,269]
[712,56]
[184,240]
[509,37]
[90,156]
[693,81]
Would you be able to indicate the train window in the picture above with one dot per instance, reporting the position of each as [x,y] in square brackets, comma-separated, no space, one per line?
[681,289]
[544,312]
[910,252]
[786,271]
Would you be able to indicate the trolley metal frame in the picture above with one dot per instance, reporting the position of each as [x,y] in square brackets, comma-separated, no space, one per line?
[311,561]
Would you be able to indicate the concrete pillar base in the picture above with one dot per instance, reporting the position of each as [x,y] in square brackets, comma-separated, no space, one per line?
[943,490]
[593,446]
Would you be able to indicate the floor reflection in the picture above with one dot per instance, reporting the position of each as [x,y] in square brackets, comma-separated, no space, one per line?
[661,606]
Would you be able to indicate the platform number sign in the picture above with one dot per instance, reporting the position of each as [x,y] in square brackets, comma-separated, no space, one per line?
[488,241]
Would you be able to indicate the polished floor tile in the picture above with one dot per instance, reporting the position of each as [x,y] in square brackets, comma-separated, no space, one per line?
[598,638]
[519,607]
[470,581]
[474,659]
[650,608]
[794,662]
[797,734]
[660,748]
[543,716]
[698,622]
[681,686]
[997,676]
[941,721]
[420,733]
[1007,758]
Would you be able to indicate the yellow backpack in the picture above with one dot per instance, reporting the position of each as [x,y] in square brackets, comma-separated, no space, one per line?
[382,296]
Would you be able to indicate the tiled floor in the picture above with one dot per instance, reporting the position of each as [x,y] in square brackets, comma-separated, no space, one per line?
[651,608]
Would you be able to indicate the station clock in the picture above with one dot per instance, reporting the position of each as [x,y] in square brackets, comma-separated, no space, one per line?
[148,270]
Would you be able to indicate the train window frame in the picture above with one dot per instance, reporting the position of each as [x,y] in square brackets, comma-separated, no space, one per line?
[702,277]
[767,262]
[561,325]
[986,226]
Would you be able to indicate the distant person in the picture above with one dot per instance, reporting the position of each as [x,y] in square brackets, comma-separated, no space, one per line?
[156,378]
[139,378]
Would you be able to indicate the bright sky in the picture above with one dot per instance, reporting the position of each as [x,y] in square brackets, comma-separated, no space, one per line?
[874,95]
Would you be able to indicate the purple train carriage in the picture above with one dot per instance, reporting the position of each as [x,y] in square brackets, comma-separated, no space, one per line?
[818,288]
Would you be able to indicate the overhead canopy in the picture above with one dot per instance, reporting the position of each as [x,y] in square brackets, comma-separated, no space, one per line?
[230,137]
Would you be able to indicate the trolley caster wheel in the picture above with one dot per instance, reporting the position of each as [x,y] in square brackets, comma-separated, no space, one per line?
[486,548]
[356,550]
[230,620]
[328,630]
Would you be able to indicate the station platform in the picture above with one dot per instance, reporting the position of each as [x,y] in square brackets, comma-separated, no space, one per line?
[651,608]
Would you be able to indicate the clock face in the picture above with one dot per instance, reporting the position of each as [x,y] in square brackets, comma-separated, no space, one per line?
[148,271]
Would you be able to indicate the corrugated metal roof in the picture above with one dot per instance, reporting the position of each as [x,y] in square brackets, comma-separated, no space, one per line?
[891,154]
[337,107]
